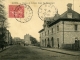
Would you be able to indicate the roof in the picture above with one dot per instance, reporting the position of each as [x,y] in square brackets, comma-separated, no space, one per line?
[63,17]
[41,30]
[50,20]
[74,15]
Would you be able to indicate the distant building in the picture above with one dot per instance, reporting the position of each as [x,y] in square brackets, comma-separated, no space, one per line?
[27,39]
[5,36]
[17,40]
[8,37]
[61,30]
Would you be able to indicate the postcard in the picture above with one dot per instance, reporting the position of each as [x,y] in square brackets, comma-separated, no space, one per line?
[39,29]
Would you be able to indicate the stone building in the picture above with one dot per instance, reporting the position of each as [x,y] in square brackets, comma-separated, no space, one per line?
[61,30]
[8,37]
[27,39]
[17,40]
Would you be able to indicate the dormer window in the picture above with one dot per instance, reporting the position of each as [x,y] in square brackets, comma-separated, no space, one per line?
[69,15]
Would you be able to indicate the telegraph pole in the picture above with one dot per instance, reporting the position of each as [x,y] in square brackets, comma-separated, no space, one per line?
[73,4]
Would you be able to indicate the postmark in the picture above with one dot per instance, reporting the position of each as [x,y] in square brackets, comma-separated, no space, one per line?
[22,13]
[46,10]
[27,13]
[19,11]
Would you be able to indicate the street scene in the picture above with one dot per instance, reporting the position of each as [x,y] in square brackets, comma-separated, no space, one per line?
[40,30]
[18,52]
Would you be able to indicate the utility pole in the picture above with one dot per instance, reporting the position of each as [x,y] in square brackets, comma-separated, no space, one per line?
[73,4]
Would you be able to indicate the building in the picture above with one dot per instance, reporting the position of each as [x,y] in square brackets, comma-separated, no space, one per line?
[5,36]
[17,40]
[8,37]
[61,31]
[27,39]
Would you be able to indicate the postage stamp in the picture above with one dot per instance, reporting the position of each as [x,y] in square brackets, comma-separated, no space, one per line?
[22,13]
[19,12]
[46,10]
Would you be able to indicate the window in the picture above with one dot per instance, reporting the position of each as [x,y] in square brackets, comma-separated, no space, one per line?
[45,33]
[57,28]
[48,32]
[76,27]
[42,34]
[52,30]
[69,15]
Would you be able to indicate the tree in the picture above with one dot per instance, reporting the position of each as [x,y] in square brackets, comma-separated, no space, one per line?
[33,40]
[3,22]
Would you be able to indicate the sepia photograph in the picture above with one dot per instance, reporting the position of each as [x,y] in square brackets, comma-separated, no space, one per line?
[39,29]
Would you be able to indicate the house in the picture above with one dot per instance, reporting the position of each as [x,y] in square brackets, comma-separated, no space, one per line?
[61,31]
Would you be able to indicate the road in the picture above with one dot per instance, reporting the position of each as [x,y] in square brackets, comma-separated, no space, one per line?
[18,52]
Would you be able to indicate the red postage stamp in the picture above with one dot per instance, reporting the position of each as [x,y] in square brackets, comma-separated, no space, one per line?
[16,11]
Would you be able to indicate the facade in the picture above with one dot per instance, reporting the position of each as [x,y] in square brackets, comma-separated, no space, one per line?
[5,36]
[8,37]
[61,30]
[17,40]
[27,39]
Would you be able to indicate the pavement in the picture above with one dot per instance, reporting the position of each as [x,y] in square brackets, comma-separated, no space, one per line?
[4,48]
[18,52]
[63,51]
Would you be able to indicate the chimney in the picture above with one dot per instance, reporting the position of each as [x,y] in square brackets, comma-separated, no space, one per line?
[69,7]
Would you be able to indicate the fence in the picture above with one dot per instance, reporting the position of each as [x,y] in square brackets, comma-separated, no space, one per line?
[75,46]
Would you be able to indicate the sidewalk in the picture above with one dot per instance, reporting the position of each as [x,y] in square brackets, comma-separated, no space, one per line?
[4,48]
[63,51]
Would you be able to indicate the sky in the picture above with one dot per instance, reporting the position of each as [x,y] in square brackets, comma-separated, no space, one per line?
[32,27]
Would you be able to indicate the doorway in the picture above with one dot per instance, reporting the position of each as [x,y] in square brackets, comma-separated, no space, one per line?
[52,40]
[58,42]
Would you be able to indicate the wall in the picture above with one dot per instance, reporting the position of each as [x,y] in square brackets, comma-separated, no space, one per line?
[69,34]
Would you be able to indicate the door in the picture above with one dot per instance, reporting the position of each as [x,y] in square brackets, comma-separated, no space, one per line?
[58,42]
[52,41]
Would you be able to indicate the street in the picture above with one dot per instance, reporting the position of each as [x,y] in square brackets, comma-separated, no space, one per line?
[18,52]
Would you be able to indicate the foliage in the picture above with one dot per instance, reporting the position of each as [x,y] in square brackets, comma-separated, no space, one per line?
[2,24]
[33,40]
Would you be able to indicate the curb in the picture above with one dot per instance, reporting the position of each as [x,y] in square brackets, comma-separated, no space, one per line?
[61,52]
[4,49]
